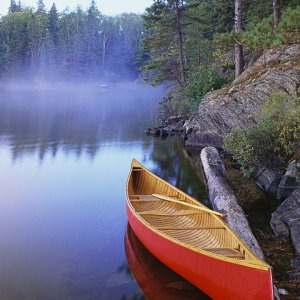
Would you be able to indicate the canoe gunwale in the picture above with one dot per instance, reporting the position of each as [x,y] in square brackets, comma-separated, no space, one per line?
[255,263]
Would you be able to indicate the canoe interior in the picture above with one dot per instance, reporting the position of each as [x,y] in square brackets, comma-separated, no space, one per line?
[196,229]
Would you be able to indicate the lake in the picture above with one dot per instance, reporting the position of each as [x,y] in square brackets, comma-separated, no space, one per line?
[65,154]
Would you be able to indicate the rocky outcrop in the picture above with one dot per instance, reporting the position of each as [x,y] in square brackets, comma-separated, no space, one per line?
[237,105]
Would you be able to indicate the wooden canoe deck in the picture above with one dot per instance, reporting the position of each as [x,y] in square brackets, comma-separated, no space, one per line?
[191,226]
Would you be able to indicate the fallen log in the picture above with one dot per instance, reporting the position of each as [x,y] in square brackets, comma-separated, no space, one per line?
[224,200]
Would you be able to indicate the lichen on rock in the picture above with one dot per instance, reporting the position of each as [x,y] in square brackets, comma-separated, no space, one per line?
[237,105]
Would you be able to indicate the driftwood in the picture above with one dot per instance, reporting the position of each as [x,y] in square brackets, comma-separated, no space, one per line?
[223,199]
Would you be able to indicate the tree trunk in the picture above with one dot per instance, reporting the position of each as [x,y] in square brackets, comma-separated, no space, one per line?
[238,50]
[180,45]
[224,200]
[276,12]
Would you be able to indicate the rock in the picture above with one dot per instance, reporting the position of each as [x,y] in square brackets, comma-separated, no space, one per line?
[237,105]
[152,131]
[268,180]
[285,221]
[290,181]
[203,140]
[296,264]
[158,132]
[283,292]
[224,200]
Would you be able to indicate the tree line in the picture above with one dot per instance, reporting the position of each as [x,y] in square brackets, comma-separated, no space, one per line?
[71,44]
[201,44]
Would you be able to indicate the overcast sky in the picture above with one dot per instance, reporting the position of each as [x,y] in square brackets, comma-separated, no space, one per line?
[107,7]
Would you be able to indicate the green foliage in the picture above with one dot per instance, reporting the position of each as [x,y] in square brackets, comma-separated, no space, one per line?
[81,43]
[163,43]
[200,82]
[270,143]
[263,36]
[198,20]
[259,32]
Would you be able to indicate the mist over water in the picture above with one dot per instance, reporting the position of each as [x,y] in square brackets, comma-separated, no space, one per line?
[65,153]
[48,118]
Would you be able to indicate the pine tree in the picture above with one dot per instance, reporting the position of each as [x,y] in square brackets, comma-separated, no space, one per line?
[165,43]
[93,18]
[41,9]
[276,12]
[238,49]
[53,24]
[13,7]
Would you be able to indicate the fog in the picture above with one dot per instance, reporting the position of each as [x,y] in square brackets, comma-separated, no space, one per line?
[43,118]
[80,45]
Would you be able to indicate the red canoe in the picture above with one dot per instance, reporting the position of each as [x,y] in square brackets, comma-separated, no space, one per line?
[193,240]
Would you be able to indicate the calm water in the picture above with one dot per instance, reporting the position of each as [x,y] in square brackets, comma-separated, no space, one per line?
[65,154]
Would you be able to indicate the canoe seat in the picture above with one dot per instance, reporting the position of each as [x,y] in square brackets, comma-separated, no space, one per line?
[228,252]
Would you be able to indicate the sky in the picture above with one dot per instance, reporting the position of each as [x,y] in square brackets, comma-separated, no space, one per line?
[107,7]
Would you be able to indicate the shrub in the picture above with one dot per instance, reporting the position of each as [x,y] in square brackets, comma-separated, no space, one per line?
[200,82]
[271,142]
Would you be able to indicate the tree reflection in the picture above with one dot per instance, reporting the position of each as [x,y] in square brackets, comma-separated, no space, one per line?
[74,120]
[179,167]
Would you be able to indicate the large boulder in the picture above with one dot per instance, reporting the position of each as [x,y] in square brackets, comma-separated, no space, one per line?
[285,221]
[268,180]
[290,181]
[237,105]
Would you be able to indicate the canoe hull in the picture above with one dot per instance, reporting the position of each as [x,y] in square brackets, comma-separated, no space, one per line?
[217,278]
[156,280]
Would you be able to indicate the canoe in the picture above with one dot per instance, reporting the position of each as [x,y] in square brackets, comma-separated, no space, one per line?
[156,280]
[193,240]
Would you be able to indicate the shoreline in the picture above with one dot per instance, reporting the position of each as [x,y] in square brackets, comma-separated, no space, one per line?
[257,205]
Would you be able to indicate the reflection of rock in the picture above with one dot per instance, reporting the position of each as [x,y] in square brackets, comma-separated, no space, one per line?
[290,181]
[285,220]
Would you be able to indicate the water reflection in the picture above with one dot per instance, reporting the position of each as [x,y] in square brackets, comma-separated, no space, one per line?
[77,120]
[155,279]
[179,167]
[65,155]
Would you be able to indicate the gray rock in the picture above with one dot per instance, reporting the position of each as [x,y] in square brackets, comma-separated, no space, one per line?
[237,106]
[290,181]
[285,221]
[283,292]
[268,180]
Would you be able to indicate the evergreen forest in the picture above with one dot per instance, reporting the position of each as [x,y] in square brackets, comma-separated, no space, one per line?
[74,45]
[200,44]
